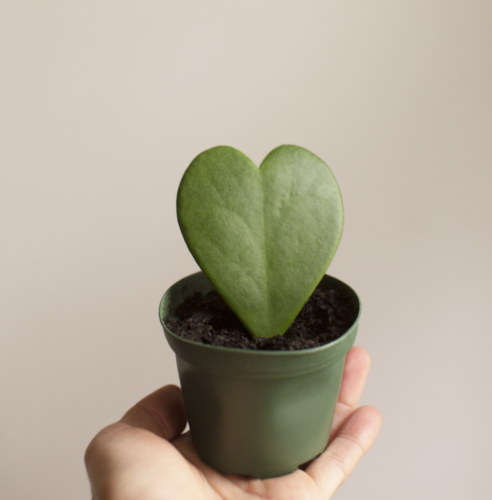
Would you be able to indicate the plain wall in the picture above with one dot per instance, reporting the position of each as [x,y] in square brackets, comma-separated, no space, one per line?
[103,104]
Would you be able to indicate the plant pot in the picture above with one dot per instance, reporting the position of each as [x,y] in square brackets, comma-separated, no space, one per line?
[257,413]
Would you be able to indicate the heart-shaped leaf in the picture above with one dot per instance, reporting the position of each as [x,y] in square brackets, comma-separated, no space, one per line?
[263,236]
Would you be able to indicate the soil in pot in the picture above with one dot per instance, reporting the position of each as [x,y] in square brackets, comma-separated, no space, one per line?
[207,319]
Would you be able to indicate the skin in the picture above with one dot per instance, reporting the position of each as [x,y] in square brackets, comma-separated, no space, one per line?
[145,456]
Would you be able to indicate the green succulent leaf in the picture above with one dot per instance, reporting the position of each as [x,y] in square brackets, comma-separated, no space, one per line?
[263,236]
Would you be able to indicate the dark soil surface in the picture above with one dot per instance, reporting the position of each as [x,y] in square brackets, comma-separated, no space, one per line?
[207,319]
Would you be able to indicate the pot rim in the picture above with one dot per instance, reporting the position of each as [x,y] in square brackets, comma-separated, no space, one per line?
[248,352]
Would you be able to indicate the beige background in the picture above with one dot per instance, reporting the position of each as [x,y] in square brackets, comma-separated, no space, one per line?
[102,107]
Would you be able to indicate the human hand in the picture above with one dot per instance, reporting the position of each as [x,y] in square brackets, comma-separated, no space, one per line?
[145,456]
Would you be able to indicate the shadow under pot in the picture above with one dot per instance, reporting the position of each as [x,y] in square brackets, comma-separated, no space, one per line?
[252,412]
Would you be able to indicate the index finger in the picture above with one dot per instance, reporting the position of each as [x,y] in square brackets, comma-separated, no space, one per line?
[355,371]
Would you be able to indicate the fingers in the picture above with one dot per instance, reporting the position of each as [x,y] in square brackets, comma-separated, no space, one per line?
[355,438]
[355,371]
[161,412]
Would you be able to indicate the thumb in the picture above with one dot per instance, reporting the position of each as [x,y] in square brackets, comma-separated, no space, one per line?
[161,412]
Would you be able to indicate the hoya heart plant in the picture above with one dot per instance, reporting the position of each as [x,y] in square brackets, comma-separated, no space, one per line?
[263,236]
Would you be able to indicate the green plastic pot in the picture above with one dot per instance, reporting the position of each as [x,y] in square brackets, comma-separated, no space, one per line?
[257,413]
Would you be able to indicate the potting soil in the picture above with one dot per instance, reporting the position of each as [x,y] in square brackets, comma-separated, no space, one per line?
[207,319]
